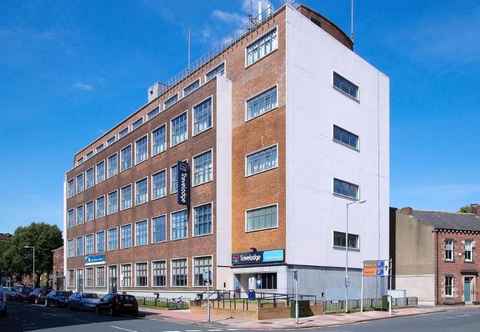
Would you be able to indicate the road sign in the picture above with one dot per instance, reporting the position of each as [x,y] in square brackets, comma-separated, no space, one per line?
[376,268]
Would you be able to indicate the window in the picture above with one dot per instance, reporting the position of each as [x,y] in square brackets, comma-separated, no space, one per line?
[126,236]
[262,47]
[339,240]
[345,86]
[123,133]
[345,137]
[141,275]
[141,191]
[179,273]
[100,276]
[153,113]
[71,278]
[126,197]
[202,168]
[468,254]
[90,155]
[80,215]
[112,239]
[111,140]
[179,129]
[159,185]
[345,189]
[137,123]
[90,211]
[126,275]
[262,218]
[90,178]
[90,277]
[202,222]
[80,183]
[112,204]
[141,233]
[448,286]
[159,140]
[262,161]
[202,116]
[264,102]
[191,87]
[100,171]
[89,244]
[159,272]
[99,148]
[179,222]
[449,250]
[173,179]
[71,188]
[170,101]
[100,242]
[100,207]
[112,162]
[71,218]
[141,153]
[159,231]
[267,281]
[70,248]
[80,246]
[126,158]
[202,271]
[217,71]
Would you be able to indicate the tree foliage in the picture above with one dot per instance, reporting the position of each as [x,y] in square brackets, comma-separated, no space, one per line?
[466,209]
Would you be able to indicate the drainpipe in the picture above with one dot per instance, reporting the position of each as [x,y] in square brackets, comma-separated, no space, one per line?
[436,267]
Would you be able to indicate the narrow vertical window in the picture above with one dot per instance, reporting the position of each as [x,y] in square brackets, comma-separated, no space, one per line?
[141,233]
[179,272]
[90,178]
[80,183]
[126,158]
[112,239]
[141,150]
[100,207]
[449,250]
[202,271]
[112,205]
[101,242]
[202,170]
[112,165]
[468,254]
[141,275]
[159,185]
[126,197]
[126,236]
[202,219]
[100,172]
[202,116]
[179,129]
[126,275]
[159,272]
[179,222]
[141,191]
[159,229]
[90,211]
[159,140]
[448,286]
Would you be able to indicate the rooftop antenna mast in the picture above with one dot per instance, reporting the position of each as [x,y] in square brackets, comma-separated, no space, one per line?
[352,32]
[188,47]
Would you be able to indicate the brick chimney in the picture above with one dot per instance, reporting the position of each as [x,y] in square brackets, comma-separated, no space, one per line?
[475,209]
[408,211]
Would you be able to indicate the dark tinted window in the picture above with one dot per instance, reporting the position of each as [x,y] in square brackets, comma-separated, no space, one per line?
[345,85]
[345,137]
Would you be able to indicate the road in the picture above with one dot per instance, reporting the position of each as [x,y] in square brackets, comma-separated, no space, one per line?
[25,317]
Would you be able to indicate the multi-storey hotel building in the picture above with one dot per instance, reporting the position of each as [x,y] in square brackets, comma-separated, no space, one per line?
[275,135]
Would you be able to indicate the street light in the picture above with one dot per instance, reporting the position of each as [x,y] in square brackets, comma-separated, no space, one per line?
[346,255]
[33,270]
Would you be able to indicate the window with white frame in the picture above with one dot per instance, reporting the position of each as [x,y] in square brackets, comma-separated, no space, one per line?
[202,168]
[173,179]
[112,239]
[141,150]
[112,164]
[141,191]
[111,140]
[448,285]
[179,222]
[99,148]
[100,207]
[100,171]
[170,101]
[89,244]
[179,273]
[123,133]
[100,276]
[262,47]
[179,129]
[153,113]
[141,275]
[468,253]
[159,229]
[159,273]
[90,277]
[126,236]
[262,103]
[126,275]
[262,161]
[141,233]
[449,250]
[267,281]
[112,204]
[71,188]
[80,183]
[137,123]
[217,71]
[126,158]
[345,189]
[90,211]
[80,215]
[202,116]
[340,237]
[345,137]
[70,248]
[202,222]
[262,218]
[159,185]
[71,218]
[90,178]
[202,271]
[71,279]
[159,140]
[80,246]
[126,197]
[344,85]
[101,242]
[191,87]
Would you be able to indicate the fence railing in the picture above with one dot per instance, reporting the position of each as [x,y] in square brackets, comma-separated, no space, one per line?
[334,306]
[176,304]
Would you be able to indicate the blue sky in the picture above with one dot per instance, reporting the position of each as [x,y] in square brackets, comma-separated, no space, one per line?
[71,69]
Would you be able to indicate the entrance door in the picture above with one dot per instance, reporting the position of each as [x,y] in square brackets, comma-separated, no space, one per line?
[467,290]
[112,279]
[80,281]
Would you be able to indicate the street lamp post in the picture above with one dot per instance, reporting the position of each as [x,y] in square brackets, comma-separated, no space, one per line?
[346,255]
[33,270]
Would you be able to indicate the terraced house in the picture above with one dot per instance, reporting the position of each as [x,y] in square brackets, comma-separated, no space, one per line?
[239,172]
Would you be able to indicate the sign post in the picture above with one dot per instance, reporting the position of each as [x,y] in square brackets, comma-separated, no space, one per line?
[206,276]
[375,268]
[361,294]
[295,278]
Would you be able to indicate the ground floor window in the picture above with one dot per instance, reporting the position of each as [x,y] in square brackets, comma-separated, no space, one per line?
[202,267]
[71,278]
[113,278]
[267,281]
[159,271]
[100,276]
[141,275]
[179,272]
[448,285]
[90,274]
[126,275]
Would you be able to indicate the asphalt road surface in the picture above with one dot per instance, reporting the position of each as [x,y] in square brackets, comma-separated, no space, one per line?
[26,317]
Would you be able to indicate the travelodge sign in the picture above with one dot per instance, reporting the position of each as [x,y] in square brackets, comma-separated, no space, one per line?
[259,257]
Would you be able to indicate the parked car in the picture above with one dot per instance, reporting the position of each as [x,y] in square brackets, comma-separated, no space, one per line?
[22,293]
[38,295]
[11,293]
[83,301]
[118,304]
[57,298]
[3,302]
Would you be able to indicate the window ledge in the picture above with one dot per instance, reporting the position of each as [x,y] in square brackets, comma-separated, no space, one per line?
[346,94]
[345,197]
[247,120]
[262,229]
[264,171]
[346,145]
[343,248]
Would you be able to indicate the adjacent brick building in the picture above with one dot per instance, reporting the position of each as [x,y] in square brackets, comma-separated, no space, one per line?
[57,277]
[436,256]
[270,128]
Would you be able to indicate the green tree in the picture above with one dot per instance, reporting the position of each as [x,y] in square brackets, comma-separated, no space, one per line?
[466,209]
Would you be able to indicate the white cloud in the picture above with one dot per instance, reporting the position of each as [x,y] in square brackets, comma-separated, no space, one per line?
[83,86]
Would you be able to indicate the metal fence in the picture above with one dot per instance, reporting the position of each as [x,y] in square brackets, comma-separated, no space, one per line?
[172,304]
[335,306]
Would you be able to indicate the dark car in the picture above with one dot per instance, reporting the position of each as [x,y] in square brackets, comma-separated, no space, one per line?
[22,293]
[3,302]
[83,301]
[118,304]
[11,293]
[58,298]
[38,295]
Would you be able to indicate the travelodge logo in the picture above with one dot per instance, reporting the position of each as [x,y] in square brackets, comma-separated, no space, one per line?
[183,183]
[258,257]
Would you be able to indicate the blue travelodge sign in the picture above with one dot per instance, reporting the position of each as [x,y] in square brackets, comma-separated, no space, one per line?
[94,259]
[183,183]
[259,257]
